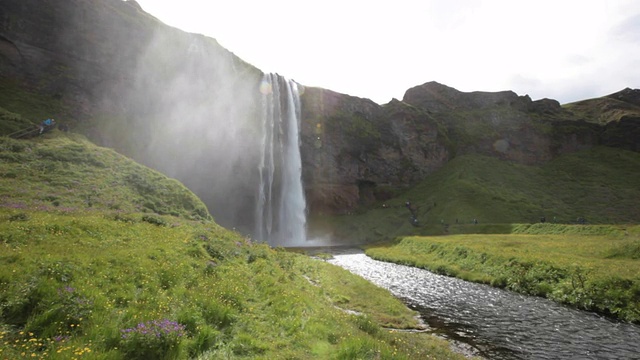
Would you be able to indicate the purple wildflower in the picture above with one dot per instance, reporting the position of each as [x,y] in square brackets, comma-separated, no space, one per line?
[60,338]
[156,328]
[66,290]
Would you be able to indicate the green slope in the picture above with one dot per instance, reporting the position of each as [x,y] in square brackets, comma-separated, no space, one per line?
[102,258]
[602,110]
[68,173]
[600,185]
[21,107]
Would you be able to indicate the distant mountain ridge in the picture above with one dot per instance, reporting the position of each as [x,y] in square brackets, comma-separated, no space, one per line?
[184,105]
[436,97]
[435,123]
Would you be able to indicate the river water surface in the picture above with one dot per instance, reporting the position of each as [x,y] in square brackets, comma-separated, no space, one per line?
[498,324]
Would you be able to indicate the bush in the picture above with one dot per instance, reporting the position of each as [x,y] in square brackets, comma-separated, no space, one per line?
[204,340]
[218,315]
[365,324]
[19,217]
[156,339]
[628,250]
[155,220]
[71,309]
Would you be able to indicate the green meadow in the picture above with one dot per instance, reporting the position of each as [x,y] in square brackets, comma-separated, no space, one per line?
[103,258]
[592,267]
[600,185]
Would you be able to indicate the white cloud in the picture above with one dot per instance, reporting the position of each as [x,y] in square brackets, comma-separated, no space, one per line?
[378,49]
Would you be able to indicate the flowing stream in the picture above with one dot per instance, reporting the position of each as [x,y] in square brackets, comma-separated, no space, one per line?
[498,324]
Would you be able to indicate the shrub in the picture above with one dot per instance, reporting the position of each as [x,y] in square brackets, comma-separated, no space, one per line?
[19,217]
[629,250]
[218,315]
[365,324]
[155,339]
[155,220]
[124,218]
[64,313]
[204,340]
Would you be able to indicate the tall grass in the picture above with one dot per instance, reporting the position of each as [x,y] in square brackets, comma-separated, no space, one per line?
[93,285]
[67,173]
[102,258]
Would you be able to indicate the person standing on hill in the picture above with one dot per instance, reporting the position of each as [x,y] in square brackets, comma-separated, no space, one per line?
[45,124]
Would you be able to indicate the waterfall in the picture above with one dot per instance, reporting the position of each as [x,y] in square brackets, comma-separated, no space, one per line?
[281,206]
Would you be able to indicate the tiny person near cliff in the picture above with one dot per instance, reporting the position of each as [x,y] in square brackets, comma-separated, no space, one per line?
[46,124]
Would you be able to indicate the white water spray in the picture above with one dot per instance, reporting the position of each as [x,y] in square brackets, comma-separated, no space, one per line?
[281,206]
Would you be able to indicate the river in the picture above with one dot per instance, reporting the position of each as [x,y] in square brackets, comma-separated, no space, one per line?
[496,323]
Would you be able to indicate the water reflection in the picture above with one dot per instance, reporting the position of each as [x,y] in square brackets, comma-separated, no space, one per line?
[498,323]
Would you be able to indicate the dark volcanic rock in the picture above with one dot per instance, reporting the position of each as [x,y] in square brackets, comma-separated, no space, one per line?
[624,133]
[76,49]
[503,124]
[545,107]
[353,149]
[631,96]
[436,97]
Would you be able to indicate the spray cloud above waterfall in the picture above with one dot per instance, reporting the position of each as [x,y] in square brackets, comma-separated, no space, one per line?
[224,129]
[197,107]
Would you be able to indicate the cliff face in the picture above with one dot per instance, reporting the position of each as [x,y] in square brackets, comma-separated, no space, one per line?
[186,106]
[355,151]
[174,101]
[503,124]
[75,50]
[438,98]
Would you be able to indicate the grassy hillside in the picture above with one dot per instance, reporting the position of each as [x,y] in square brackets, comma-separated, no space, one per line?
[68,173]
[602,110]
[600,185]
[101,258]
[20,108]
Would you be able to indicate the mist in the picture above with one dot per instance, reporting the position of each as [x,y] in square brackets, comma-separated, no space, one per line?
[190,109]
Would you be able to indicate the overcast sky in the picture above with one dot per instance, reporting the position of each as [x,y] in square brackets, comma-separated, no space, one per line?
[566,50]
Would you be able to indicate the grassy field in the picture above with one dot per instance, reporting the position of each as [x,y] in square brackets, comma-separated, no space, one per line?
[67,172]
[600,185]
[101,258]
[592,267]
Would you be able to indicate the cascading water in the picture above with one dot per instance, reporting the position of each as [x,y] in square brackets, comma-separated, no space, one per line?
[281,206]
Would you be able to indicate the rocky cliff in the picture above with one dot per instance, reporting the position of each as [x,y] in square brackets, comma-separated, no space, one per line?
[356,151]
[186,106]
[503,124]
[174,101]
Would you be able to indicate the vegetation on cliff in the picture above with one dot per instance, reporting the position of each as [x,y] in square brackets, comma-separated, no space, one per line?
[68,173]
[102,258]
[606,109]
[21,108]
[599,185]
